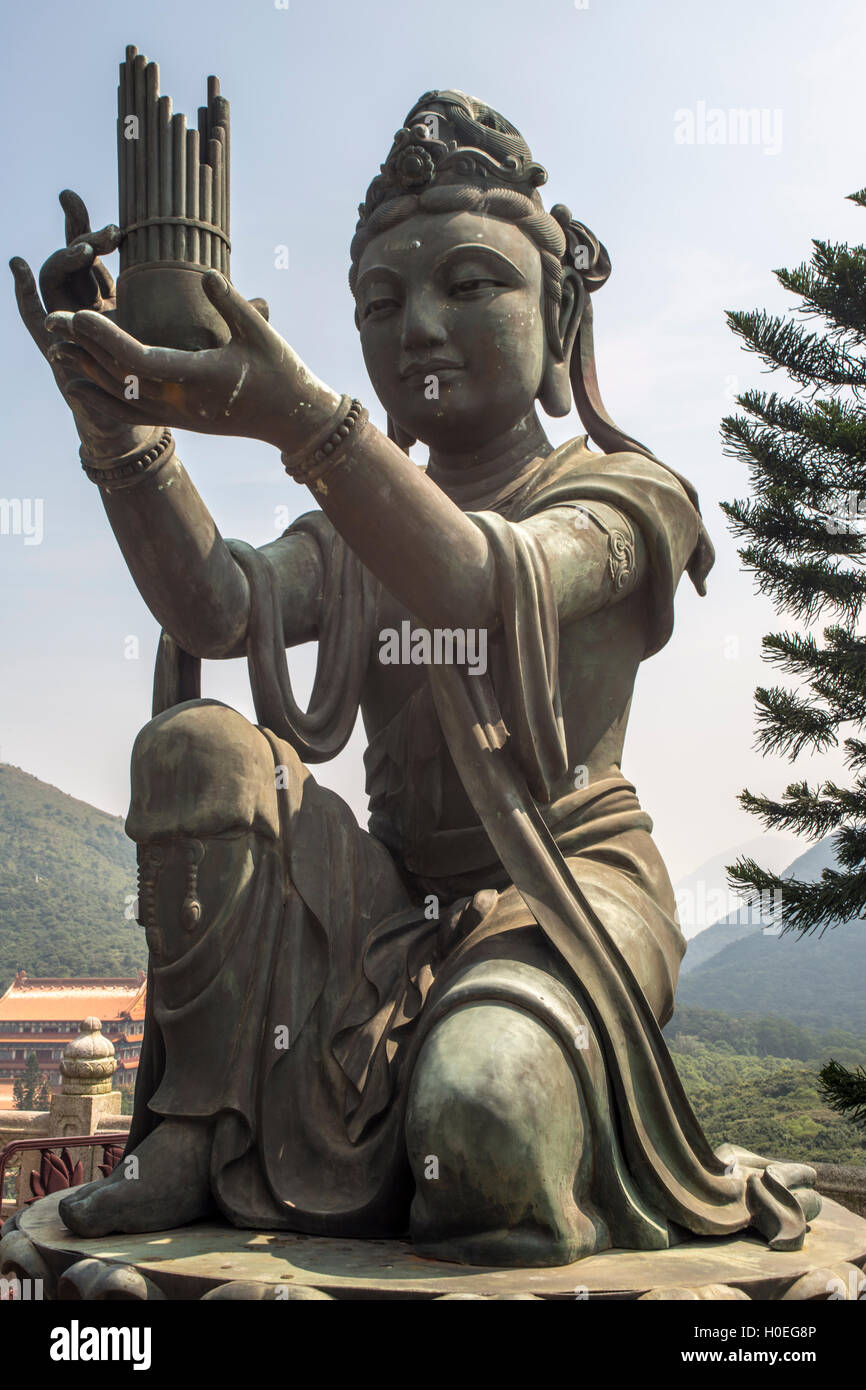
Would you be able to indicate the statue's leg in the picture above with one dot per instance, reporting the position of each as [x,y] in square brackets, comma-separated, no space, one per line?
[204,810]
[496,1129]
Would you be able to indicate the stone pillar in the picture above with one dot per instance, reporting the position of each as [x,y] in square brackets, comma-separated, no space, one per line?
[85,1100]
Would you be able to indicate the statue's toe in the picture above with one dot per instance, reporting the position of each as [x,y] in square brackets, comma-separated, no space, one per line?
[85,1212]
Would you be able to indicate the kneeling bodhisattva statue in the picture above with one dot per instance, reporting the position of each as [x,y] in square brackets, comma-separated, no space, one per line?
[447,1025]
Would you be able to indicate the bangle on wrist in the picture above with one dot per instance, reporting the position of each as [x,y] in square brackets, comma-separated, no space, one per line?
[311,463]
[129,468]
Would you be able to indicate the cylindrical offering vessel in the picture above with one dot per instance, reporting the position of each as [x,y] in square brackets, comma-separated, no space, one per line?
[173,199]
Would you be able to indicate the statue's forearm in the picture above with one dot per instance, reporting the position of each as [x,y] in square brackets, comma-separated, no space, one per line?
[408,533]
[181,566]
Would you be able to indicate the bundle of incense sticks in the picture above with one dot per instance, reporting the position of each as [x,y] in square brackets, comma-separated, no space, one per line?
[173,182]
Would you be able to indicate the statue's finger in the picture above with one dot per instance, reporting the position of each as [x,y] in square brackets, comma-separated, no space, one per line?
[78,363]
[77,216]
[58,271]
[262,307]
[30,306]
[104,279]
[59,324]
[245,321]
[89,397]
[149,363]
[124,379]
[106,240]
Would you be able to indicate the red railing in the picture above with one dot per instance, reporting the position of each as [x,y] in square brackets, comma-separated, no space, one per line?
[52,1143]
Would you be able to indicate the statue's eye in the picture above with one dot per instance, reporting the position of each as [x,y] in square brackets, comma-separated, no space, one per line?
[378,306]
[473,285]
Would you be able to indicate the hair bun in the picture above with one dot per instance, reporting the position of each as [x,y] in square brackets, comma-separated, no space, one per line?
[584,252]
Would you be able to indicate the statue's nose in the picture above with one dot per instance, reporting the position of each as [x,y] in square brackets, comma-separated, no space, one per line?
[423,323]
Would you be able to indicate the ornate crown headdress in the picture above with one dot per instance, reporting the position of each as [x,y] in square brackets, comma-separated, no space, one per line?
[449,137]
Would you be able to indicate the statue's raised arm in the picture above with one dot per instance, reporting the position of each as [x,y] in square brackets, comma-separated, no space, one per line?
[183,569]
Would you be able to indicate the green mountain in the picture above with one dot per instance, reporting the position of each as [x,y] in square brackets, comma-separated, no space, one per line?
[67,875]
[816,980]
[753,1081]
[744,921]
[703,896]
[713,940]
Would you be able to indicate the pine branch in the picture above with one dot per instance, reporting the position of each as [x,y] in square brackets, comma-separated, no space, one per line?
[770,459]
[849,844]
[794,653]
[802,906]
[807,589]
[855,754]
[833,286]
[833,426]
[800,811]
[778,523]
[808,358]
[840,675]
[788,724]
[844,1090]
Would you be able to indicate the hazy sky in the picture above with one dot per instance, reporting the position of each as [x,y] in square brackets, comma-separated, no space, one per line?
[608,95]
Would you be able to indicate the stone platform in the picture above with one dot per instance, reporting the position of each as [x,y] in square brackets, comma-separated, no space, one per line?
[215,1260]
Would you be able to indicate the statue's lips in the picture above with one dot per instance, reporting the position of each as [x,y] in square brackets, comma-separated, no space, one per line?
[434,367]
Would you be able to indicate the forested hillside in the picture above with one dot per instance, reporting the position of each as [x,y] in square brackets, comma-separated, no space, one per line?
[753,1081]
[67,873]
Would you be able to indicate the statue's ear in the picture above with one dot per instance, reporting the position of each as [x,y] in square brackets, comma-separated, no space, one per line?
[554,393]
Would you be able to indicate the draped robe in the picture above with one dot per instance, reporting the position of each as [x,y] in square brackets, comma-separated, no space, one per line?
[550,896]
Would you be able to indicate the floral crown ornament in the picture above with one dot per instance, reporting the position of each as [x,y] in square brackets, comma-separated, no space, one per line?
[449,137]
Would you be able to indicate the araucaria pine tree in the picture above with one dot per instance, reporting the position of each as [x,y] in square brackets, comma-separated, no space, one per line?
[804,539]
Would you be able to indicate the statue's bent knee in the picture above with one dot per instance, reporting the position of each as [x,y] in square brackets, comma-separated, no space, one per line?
[495,1134]
[201,768]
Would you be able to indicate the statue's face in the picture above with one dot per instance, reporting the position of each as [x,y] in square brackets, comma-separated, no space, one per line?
[450,307]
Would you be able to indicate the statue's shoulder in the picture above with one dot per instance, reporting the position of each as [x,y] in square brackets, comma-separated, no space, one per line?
[313,523]
[574,471]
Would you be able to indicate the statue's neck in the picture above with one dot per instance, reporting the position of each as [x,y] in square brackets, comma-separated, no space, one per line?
[502,458]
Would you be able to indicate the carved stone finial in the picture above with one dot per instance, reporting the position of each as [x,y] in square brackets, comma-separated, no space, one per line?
[88,1062]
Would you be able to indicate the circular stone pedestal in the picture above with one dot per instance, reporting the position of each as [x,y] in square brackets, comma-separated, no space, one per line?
[216,1260]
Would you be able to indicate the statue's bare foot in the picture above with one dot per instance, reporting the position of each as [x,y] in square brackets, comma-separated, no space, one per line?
[167,1186]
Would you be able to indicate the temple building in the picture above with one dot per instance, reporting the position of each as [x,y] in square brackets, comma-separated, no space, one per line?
[43,1015]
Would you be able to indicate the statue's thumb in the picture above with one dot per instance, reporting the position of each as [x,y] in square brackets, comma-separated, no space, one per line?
[240,316]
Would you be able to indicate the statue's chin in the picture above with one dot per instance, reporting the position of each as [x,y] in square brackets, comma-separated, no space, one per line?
[467,432]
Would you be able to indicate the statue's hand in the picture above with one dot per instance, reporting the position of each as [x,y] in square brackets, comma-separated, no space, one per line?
[75,277]
[71,279]
[256,386]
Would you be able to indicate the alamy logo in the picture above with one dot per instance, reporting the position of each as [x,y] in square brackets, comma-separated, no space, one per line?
[76,1343]
[23,516]
[438,646]
[739,125]
[852,512]
[21,1290]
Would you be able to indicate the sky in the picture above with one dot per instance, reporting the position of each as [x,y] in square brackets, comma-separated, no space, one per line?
[616,99]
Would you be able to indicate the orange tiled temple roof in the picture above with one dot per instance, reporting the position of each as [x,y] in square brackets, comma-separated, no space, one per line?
[46,998]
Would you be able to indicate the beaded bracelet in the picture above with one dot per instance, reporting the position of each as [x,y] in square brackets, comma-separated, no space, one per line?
[309,466]
[133,467]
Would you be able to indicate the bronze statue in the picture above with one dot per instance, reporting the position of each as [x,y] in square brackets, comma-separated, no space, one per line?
[447,1025]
